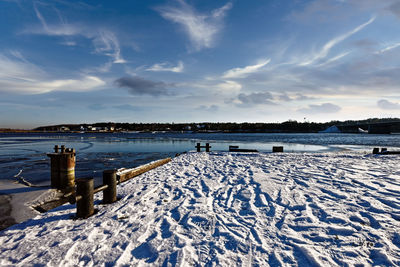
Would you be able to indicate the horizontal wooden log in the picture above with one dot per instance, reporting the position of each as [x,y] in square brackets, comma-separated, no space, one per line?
[242,150]
[389,153]
[126,174]
[100,188]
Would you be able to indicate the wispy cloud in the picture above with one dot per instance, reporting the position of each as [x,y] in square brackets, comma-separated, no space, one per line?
[334,59]
[329,45]
[17,75]
[388,48]
[62,28]
[202,29]
[244,72]
[104,41]
[167,67]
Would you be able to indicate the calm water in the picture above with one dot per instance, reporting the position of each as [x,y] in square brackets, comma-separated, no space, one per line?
[96,152]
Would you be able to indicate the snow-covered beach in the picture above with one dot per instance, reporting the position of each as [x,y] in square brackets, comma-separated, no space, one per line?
[230,209]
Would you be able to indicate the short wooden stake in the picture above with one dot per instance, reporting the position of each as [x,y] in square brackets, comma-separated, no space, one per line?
[85,203]
[277,149]
[375,150]
[383,150]
[198,147]
[110,179]
[208,147]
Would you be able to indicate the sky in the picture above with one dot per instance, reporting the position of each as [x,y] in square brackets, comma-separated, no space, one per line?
[198,61]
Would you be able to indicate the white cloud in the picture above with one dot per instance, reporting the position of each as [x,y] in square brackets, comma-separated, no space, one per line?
[202,29]
[22,77]
[167,67]
[244,72]
[329,45]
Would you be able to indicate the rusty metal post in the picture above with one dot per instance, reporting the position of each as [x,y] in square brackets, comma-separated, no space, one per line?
[208,147]
[110,179]
[62,168]
[85,196]
[198,147]
[375,150]
[67,170]
[277,149]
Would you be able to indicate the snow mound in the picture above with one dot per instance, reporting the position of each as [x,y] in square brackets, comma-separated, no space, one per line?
[229,209]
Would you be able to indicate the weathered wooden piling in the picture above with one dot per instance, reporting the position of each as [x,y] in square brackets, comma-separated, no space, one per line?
[85,197]
[276,149]
[375,150]
[198,147]
[110,193]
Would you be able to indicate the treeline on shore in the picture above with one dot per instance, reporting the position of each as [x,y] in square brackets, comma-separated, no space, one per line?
[290,126]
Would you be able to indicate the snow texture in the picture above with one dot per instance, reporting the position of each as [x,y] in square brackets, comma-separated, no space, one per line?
[229,209]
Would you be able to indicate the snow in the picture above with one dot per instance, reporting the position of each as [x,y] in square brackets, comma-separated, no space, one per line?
[229,209]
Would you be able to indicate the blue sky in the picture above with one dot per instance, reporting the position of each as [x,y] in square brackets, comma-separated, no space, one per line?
[193,61]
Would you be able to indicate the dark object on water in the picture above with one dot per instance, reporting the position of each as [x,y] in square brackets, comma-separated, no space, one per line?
[62,168]
[276,149]
[237,149]
[199,147]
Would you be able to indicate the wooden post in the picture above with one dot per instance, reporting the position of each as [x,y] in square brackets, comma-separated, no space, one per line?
[198,147]
[383,150]
[208,147]
[54,170]
[110,179]
[84,203]
[277,149]
[375,150]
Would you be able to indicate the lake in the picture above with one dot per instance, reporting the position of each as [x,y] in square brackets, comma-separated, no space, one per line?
[25,153]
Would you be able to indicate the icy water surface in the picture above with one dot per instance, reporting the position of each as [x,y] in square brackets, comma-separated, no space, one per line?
[25,154]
